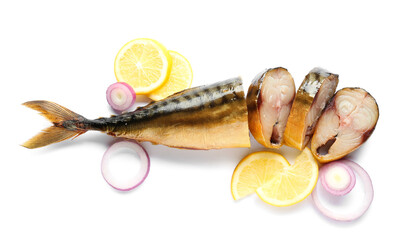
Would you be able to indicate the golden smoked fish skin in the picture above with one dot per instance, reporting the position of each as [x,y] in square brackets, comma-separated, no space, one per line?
[206,117]
[347,122]
[312,97]
[269,101]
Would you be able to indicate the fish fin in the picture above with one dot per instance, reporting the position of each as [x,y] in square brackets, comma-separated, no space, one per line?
[57,115]
[50,135]
[52,111]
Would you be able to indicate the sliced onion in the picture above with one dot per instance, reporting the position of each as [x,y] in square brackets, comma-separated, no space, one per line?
[337,178]
[130,180]
[121,96]
[363,207]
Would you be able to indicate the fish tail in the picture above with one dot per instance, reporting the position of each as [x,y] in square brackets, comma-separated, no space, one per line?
[66,124]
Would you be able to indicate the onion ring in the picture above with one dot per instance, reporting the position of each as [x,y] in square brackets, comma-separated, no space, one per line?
[368,198]
[121,96]
[337,178]
[114,181]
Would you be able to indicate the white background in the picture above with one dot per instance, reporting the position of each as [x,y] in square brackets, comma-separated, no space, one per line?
[64,52]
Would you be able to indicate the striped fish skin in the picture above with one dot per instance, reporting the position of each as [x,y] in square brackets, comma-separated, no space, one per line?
[312,97]
[205,117]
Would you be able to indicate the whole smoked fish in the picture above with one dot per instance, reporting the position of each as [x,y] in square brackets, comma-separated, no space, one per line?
[205,117]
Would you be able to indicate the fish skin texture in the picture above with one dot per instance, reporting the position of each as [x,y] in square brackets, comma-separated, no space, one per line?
[312,97]
[207,117]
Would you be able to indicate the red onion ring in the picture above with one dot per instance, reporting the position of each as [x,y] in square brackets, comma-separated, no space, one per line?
[121,96]
[134,182]
[368,198]
[341,191]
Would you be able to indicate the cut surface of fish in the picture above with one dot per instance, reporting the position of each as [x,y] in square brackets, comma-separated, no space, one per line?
[346,123]
[269,101]
[312,97]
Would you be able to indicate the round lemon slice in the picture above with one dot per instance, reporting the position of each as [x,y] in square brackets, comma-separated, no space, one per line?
[180,78]
[255,170]
[293,184]
[144,64]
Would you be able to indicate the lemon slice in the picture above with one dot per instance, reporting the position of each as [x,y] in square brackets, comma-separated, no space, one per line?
[255,170]
[180,78]
[144,64]
[293,184]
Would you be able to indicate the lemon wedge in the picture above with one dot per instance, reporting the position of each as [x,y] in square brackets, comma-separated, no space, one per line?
[255,170]
[292,184]
[143,63]
[180,78]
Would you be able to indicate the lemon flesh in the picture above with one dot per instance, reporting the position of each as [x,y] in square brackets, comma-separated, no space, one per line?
[180,78]
[143,63]
[255,170]
[293,184]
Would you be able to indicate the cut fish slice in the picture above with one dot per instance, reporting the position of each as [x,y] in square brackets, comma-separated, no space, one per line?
[347,122]
[269,101]
[312,97]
